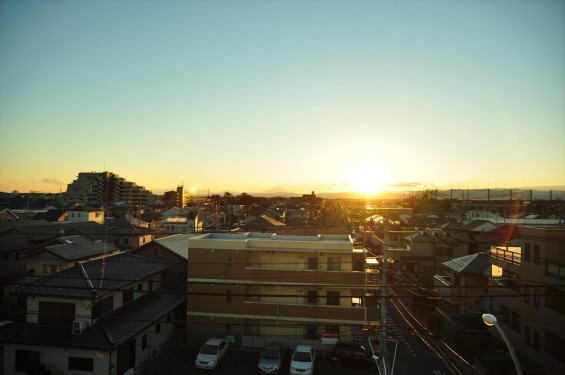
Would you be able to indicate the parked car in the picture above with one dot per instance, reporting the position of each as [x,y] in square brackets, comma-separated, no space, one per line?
[352,355]
[211,353]
[302,360]
[271,359]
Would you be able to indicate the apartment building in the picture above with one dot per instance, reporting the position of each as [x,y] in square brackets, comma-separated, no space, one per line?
[256,287]
[527,295]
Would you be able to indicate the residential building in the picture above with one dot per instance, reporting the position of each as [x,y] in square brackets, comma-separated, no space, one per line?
[527,295]
[8,216]
[172,250]
[254,287]
[81,214]
[98,188]
[102,317]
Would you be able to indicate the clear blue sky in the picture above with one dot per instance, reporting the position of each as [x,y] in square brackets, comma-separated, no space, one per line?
[247,95]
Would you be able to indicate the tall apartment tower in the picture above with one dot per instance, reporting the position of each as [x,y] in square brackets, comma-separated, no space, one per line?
[100,188]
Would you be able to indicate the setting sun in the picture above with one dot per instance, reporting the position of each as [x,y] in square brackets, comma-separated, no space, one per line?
[367,179]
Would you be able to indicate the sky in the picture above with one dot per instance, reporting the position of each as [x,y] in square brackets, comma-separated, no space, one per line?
[244,96]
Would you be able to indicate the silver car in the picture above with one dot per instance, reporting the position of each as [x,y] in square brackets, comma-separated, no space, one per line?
[271,359]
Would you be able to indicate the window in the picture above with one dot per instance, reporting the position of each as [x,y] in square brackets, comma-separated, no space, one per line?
[312,297]
[169,319]
[527,335]
[536,254]
[140,287]
[51,268]
[334,264]
[536,341]
[81,364]
[56,314]
[150,285]
[26,359]
[527,254]
[555,299]
[555,346]
[158,328]
[312,263]
[127,295]
[144,342]
[527,292]
[126,241]
[536,297]
[332,298]
[229,262]
[228,296]
[515,321]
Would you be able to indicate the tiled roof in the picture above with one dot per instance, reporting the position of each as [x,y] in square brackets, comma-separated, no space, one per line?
[94,278]
[474,263]
[108,332]
[177,243]
[74,248]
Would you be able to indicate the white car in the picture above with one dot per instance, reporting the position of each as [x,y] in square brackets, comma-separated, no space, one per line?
[302,360]
[211,353]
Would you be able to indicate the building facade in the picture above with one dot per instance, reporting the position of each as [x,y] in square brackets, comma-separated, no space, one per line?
[527,295]
[255,287]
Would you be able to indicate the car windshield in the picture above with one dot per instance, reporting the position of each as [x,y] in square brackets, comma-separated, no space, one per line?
[209,349]
[270,353]
[302,357]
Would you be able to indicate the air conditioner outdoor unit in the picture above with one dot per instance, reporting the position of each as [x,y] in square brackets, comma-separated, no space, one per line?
[79,326]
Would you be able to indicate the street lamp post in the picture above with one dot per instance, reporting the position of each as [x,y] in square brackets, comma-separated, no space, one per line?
[490,320]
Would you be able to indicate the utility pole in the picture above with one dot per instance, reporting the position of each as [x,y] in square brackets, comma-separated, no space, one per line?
[383,352]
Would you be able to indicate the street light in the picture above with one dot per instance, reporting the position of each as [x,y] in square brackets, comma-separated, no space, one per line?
[490,320]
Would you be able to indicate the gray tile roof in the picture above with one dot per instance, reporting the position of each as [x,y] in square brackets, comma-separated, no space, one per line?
[108,333]
[95,278]
[177,243]
[74,248]
[474,263]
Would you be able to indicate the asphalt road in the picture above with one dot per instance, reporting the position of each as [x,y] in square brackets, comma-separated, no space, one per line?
[238,362]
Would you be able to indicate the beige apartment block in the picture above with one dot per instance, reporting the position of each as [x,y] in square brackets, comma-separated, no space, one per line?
[257,287]
[528,296]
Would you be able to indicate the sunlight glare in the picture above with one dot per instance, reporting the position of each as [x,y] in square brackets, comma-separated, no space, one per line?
[367,178]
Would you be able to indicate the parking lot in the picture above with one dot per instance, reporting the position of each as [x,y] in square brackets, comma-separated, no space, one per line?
[241,361]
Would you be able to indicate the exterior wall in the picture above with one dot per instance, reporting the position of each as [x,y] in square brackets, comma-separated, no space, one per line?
[291,289]
[175,277]
[57,359]
[520,297]
[83,216]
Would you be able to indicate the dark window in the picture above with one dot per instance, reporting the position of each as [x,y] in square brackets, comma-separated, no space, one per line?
[158,327]
[536,254]
[332,298]
[56,314]
[168,318]
[555,299]
[228,296]
[312,263]
[555,346]
[150,285]
[515,321]
[229,262]
[527,335]
[536,340]
[140,286]
[126,241]
[144,342]
[26,359]
[102,307]
[527,254]
[312,297]
[81,364]
[127,295]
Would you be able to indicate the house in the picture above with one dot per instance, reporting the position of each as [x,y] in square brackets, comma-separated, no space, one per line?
[172,250]
[254,287]
[8,216]
[79,214]
[102,317]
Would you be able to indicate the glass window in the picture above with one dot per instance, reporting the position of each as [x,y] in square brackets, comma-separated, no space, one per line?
[312,263]
[332,298]
[81,364]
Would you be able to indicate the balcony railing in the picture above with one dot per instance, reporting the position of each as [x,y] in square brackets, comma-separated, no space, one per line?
[511,255]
